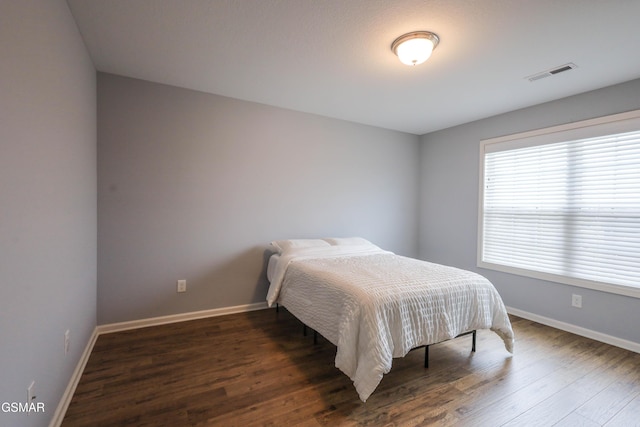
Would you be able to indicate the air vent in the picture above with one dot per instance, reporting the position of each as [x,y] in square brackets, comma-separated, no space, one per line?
[552,72]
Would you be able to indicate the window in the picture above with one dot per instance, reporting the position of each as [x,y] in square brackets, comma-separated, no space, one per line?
[563,204]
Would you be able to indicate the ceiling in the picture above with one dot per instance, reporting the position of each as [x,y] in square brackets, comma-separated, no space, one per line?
[333,57]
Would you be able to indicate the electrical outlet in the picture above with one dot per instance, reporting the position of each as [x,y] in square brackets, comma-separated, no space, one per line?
[182,286]
[67,341]
[576,301]
[31,392]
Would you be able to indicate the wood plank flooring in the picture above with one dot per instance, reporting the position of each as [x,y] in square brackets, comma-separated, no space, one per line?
[256,368]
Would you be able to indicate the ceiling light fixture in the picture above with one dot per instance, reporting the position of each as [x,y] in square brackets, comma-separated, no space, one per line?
[414,48]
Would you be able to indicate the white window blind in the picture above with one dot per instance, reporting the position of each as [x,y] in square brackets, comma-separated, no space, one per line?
[567,211]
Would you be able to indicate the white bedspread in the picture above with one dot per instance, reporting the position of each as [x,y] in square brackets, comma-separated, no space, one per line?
[375,305]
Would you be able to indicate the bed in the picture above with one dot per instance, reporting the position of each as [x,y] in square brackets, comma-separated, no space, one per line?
[374,305]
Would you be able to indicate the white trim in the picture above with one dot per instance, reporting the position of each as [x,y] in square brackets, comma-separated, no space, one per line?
[182,317]
[613,118]
[578,330]
[63,405]
[628,291]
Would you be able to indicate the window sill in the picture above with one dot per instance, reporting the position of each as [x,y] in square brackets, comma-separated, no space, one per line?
[628,291]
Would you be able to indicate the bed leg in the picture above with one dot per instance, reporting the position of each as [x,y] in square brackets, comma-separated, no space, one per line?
[473,341]
[277,308]
[426,356]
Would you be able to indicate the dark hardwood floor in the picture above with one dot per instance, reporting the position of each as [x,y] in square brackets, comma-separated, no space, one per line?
[257,368]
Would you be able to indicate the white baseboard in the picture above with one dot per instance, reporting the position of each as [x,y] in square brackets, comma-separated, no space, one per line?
[182,317]
[578,330]
[61,410]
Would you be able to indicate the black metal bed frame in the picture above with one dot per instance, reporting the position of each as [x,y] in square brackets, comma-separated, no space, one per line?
[426,346]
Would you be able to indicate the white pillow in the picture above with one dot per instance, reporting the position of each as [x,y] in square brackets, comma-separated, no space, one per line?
[285,245]
[348,241]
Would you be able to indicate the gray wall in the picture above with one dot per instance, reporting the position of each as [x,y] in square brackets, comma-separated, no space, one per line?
[449,210]
[47,202]
[193,186]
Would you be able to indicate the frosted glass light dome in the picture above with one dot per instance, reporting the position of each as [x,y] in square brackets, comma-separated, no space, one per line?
[415,48]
